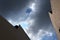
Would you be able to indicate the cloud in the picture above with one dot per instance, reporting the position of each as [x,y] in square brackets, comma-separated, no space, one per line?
[10,8]
[41,26]
[40,34]
[39,23]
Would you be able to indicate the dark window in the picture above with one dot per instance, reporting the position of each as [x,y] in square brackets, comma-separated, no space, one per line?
[50,11]
[59,30]
[16,26]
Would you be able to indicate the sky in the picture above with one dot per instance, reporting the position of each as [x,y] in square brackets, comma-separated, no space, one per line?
[32,15]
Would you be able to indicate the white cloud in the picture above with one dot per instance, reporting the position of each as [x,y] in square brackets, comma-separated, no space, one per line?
[41,33]
[12,22]
[32,6]
[24,24]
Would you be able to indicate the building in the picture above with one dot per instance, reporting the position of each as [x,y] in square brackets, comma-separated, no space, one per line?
[8,32]
[55,16]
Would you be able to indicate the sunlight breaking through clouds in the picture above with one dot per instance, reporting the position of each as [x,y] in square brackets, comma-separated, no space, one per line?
[32,6]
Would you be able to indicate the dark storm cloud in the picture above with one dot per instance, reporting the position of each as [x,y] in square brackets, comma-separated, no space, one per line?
[13,9]
[41,18]
[7,6]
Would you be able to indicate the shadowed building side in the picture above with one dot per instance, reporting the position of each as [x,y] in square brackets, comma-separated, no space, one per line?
[8,32]
[55,16]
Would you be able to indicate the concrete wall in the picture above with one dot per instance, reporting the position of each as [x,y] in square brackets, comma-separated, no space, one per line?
[55,16]
[8,32]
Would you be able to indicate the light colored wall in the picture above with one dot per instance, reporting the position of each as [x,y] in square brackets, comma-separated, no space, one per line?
[55,16]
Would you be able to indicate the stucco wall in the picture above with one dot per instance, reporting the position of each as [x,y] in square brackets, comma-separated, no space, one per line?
[55,16]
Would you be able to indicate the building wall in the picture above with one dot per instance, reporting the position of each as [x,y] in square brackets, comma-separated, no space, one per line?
[55,16]
[8,32]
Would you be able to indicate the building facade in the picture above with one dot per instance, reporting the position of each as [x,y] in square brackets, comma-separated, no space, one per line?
[8,32]
[55,16]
